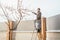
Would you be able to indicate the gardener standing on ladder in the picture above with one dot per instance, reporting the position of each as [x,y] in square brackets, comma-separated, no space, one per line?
[37,22]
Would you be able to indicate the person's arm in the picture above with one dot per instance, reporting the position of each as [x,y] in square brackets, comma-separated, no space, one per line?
[34,13]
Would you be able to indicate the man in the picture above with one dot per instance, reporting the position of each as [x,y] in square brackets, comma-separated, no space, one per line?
[37,22]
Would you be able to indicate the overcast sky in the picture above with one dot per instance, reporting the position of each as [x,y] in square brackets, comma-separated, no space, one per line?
[48,7]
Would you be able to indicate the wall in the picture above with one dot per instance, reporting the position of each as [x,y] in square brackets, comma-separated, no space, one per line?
[53,36]
[53,28]
[24,36]
[24,31]
[53,23]
[3,31]
[26,26]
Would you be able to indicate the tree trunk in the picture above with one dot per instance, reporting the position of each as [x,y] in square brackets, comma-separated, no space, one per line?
[10,32]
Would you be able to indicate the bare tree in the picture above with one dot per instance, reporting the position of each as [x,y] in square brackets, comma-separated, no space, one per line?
[9,21]
[18,14]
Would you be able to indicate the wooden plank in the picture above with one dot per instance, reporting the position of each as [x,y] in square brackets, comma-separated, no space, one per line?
[43,28]
[9,32]
[42,34]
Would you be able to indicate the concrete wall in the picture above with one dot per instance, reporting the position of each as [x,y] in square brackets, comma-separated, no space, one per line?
[24,31]
[24,36]
[53,36]
[3,31]
[53,28]
[3,26]
[53,23]
[19,36]
[26,26]
[2,35]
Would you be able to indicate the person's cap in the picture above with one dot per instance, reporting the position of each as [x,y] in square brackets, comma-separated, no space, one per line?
[38,9]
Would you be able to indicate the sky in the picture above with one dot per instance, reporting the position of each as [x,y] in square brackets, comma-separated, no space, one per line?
[48,7]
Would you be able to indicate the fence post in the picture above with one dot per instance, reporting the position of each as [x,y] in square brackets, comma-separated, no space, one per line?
[43,28]
[10,32]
